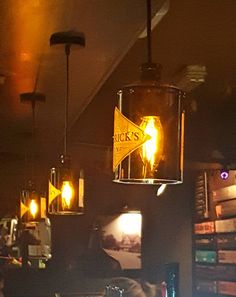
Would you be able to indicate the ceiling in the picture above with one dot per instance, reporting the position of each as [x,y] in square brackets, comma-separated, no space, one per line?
[186,33]
[29,64]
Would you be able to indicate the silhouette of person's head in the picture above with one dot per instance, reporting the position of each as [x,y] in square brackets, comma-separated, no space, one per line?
[132,288]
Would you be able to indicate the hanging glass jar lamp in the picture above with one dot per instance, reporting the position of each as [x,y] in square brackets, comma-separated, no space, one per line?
[148,140]
[66,191]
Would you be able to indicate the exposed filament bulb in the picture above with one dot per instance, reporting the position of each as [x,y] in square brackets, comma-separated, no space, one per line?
[67,193]
[152,149]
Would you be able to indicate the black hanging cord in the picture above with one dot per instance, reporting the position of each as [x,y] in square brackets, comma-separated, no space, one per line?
[33,104]
[67,51]
[149,31]
[33,139]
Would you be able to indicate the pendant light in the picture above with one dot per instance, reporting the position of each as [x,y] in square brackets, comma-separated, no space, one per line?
[148,136]
[32,203]
[66,193]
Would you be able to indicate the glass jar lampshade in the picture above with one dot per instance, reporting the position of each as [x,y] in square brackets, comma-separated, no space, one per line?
[148,133]
[32,206]
[66,194]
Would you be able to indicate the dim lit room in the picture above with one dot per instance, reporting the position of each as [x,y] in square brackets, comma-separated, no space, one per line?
[118,148]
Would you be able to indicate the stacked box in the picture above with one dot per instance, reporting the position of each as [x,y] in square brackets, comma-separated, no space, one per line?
[205,271]
[226,209]
[225,226]
[205,243]
[215,272]
[226,241]
[208,286]
[201,197]
[227,257]
[227,288]
[226,272]
[225,193]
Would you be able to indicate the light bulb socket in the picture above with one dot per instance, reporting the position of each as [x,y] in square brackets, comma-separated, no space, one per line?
[65,161]
[34,195]
[30,185]
[32,97]
[130,209]
[68,37]
[65,170]
[151,71]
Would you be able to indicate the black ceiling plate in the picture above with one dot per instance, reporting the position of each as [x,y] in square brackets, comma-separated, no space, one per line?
[68,37]
[32,97]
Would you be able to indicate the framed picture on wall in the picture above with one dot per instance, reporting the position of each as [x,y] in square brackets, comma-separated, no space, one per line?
[121,238]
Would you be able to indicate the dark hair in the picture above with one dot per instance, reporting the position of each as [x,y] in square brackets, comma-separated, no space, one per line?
[133,288]
[130,287]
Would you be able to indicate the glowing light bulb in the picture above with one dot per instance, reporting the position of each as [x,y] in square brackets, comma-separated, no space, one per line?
[130,223]
[67,193]
[152,149]
[33,207]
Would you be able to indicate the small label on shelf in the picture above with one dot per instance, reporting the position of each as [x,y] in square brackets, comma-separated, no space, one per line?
[204,228]
[205,256]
